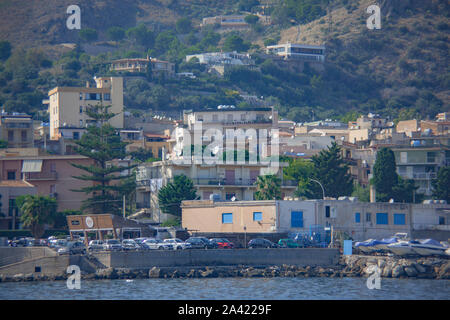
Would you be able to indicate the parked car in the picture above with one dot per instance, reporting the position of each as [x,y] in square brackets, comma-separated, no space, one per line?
[57,243]
[140,242]
[73,247]
[201,243]
[222,243]
[129,244]
[289,243]
[178,244]
[156,244]
[261,243]
[112,245]
[95,245]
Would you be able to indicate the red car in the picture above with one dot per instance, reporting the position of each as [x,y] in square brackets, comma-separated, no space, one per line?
[222,243]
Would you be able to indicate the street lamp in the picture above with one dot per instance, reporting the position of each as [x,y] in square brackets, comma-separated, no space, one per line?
[323,190]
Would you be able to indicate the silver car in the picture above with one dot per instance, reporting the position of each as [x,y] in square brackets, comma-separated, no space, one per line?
[156,244]
[95,245]
[73,247]
[112,245]
[178,244]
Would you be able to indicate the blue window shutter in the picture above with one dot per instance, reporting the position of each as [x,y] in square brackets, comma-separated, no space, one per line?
[357,217]
[382,218]
[296,219]
[227,218]
[399,219]
[257,216]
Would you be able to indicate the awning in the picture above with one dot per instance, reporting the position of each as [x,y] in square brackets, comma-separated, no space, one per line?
[32,166]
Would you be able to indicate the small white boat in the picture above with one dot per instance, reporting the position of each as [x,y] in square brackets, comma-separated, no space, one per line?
[447,252]
[402,248]
[428,247]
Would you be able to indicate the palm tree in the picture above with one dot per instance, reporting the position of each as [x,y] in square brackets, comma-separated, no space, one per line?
[268,187]
[36,211]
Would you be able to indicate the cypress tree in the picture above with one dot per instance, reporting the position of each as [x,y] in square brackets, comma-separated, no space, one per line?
[385,177]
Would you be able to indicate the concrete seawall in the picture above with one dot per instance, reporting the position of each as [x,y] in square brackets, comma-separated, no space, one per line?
[261,257]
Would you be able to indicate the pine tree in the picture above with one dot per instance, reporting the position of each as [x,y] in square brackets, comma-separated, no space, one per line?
[102,144]
[332,172]
[385,177]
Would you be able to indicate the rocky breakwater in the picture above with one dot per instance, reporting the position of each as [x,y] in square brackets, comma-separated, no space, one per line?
[394,267]
[348,266]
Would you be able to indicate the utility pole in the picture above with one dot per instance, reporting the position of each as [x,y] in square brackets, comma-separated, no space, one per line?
[123,209]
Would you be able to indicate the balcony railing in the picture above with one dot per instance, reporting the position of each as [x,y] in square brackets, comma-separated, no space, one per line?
[30,176]
[425,175]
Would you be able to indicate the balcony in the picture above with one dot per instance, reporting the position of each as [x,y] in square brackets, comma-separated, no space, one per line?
[424,175]
[36,176]
[236,182]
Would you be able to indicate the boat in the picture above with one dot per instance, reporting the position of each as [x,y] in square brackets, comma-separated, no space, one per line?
[429,247]
[365,246]
[402,248]
[383,243]
[447,252]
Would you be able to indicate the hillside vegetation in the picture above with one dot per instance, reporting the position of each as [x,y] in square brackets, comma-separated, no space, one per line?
[400,70]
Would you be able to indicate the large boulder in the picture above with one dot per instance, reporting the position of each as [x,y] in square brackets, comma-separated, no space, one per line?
[154,272]
[410,271]
[107,273]
[444,271]
[397,271]
[387,271]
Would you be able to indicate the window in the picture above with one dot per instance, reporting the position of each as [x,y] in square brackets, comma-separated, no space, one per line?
[228,196]
[327,211]
[368,217]
[403,157]
[382,218]
[431,157]
[296,219]
[357,217]
[11,175]
[441,221]
[52,188]
[81,122]
[106,96]
[10,135]
[257,216]
[76,135]
[81,109]
[24,135]
[12,208]
[81,96]
[227,218]
[399,219]
[53,167]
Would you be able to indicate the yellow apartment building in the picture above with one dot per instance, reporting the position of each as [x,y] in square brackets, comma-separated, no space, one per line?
[67,105]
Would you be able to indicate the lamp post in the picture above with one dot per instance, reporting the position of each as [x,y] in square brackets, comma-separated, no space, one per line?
[323,190]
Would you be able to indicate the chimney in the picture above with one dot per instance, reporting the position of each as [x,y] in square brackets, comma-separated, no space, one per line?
[372,193]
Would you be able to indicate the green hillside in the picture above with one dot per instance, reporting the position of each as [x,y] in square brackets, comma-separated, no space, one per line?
[400,70]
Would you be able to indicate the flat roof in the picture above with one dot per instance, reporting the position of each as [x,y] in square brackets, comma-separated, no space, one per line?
[228,110]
